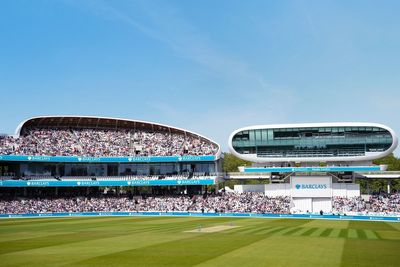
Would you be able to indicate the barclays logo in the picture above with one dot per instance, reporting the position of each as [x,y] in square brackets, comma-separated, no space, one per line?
[37,183]
[189,158]
[311,186]
[88,159]
[141,159]
[88,183]
[38,158]
[188,182]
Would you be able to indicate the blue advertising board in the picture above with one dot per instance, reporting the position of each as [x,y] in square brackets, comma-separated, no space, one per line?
[107,159]
[86,183]
[312,169]
[198,214]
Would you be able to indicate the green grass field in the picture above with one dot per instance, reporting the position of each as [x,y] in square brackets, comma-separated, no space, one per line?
[163,241]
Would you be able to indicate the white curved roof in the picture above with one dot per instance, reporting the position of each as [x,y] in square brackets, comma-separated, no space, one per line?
[21,125]
[370,156]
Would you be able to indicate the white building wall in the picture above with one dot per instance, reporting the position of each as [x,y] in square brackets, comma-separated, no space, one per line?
[275,190]
[353,190]
[339,190]
[324,204]
[302,204]
[244,188]
[345,190]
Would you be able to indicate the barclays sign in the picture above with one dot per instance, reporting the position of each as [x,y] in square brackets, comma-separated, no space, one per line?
[311,186]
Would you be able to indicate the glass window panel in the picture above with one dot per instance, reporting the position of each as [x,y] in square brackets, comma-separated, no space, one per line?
[251,135]
[264,135]
[258,135]
[270,134]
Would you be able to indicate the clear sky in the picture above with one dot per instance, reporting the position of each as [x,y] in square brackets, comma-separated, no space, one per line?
[207,66]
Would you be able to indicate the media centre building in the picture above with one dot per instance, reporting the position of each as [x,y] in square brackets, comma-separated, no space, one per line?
[312,162]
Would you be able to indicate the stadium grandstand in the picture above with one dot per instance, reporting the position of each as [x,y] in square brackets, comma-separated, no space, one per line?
[65,152]
[67,165]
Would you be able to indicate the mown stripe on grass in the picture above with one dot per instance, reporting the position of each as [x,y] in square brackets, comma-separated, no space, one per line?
[237,230]
[256,230]
[289,223]
[361,234]
[301,231]
[318,232]
[276,231]
[352,233]
[326,232]
[269,230]
[288,229]
[292,231]
[335,233]
[343,233]
[250,230]
[371,234]
[309,231]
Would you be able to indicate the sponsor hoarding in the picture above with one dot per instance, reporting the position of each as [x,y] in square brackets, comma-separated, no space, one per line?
[311,186]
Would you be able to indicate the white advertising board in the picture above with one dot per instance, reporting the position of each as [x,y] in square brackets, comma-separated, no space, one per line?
[311,186]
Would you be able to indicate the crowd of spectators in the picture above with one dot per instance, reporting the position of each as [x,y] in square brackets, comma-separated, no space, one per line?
[225,202]
[182,176]
[382,203]
[385,203]
[103,143]
[348,204]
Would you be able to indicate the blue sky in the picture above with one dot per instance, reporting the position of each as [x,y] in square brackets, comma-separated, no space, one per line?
[207,66]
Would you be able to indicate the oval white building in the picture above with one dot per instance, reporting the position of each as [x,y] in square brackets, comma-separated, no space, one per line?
[313,142]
